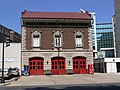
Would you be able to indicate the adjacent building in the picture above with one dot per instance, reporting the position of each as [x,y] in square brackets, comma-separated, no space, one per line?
[4,30]
[56,42]
[14,36]
[106,61]
[108,44]
[105,40]
[117,26]
[12,56]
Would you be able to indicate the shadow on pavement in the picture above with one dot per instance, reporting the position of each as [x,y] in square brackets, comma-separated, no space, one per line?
[7,80]
[109,87]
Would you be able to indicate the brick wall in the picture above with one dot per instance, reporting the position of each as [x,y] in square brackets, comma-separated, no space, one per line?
[47,37]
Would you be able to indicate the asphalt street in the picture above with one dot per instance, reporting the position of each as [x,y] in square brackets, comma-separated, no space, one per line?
[65,87]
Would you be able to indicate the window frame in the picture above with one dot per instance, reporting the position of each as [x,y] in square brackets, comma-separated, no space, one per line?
[58,37]
[34,35]
[78,39]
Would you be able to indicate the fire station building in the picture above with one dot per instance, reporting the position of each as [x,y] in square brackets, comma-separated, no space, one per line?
[56,42]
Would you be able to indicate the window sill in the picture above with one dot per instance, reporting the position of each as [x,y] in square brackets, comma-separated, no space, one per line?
[36,47]
[78,47]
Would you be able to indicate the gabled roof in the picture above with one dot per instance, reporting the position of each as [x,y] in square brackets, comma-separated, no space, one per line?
[56,15]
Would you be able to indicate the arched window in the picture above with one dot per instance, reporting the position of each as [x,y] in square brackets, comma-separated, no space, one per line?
[78,39]
[36,39]
[57,39]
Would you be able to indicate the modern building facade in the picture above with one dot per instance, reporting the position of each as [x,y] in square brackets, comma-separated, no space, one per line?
[117,26]
[105,40]
[14,36]
[106,61]
[56,42]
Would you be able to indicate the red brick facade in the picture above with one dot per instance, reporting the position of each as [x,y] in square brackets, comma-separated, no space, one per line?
[46,24]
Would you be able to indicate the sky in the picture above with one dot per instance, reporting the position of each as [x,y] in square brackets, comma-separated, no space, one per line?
[10,10]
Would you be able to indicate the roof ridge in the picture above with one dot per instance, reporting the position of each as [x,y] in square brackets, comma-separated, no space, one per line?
[51,12]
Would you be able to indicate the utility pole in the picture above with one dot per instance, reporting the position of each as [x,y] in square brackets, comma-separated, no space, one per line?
[6,40]
[2,79]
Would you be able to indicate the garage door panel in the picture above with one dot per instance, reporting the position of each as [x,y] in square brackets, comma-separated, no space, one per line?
[39,66]
[54,67]
[82,66]
[79,66]
[75,66]
[58,66]
[62,67]
[36,67]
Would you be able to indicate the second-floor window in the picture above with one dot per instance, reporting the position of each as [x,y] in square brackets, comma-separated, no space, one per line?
[57,39]
[78,39]
[36,39]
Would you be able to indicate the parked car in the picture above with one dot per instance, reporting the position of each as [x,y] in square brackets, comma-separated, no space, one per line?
[14,71]
[7,73]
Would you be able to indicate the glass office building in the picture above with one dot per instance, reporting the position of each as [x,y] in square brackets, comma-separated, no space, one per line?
[104,33]
[105,41]
[102,38]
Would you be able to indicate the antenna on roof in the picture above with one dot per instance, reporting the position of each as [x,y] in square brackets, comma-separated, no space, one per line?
[82,10]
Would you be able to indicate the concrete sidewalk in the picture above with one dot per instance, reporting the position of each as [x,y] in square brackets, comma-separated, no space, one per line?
[66,79]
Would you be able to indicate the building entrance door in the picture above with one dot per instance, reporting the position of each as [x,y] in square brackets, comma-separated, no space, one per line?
[79,65]
[36,66]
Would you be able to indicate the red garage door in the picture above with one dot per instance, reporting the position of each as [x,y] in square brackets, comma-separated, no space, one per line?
[79,65]
[58,68]
[36,66]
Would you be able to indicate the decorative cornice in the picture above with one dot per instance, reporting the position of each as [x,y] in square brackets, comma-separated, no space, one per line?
[54,20]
